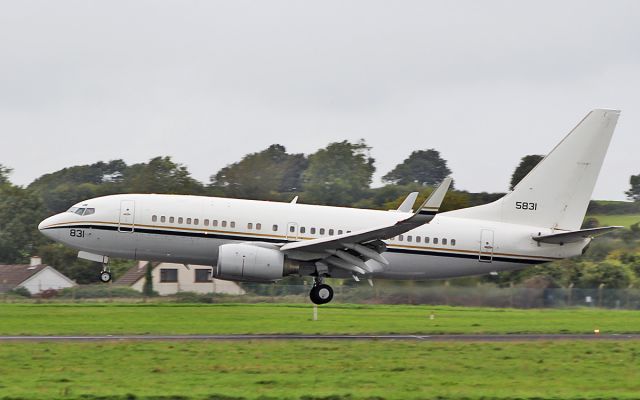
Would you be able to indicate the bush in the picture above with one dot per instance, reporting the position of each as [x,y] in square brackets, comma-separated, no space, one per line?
[192,297]
[20,291]
[98,291]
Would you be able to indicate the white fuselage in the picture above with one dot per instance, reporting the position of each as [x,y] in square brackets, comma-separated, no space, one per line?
[190,229]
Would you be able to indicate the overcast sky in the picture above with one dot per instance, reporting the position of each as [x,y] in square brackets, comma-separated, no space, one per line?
[207,82]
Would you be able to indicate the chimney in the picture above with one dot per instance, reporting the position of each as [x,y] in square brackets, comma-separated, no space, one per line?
[35,260]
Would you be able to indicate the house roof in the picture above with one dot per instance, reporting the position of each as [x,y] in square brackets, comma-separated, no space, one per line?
[134,274]
[13,275]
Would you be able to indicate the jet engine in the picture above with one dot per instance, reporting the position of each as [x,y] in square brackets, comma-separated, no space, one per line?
[248,262]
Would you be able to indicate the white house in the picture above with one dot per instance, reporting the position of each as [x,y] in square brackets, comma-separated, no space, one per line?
[35,277]
[171,278]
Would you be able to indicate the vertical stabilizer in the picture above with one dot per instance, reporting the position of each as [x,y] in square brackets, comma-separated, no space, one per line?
[556,193]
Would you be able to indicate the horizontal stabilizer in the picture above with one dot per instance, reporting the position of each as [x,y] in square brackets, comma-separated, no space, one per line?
[574,236]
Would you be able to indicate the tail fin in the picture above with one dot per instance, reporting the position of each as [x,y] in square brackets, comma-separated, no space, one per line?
[556,193]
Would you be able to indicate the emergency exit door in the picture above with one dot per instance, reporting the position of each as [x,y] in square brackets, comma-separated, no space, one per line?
[127,216]
[486,246]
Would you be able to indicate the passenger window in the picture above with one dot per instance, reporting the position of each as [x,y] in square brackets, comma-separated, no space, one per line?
[409,238]
[401,238]
[444,241]
[163,219]
[154,218]
[275,228]
[453,242]
[180,220]
[215,222]
[303,229]
[188,221]
[171,220]
[89,211]
[224,224]
[258,226]
[322,231]
[292,229]
[206,222]
[418,239]
[313,231]
[233,224]
[426,239]
[339,231]
[435,240]
[330,232]
[196,221]
[250,225]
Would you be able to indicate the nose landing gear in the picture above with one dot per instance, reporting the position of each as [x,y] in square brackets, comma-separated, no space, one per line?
[320,293]
[105,274]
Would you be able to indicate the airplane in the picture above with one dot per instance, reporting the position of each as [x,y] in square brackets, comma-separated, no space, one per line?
[261,241]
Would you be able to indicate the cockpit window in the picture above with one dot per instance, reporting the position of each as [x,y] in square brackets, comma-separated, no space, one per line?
[72,209]
[89,211]
[80,211]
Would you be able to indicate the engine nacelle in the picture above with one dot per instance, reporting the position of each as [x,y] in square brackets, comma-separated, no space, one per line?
[247,262]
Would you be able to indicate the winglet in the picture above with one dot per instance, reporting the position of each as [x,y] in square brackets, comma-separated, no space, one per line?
[295,200]
[432,204]
[407,204]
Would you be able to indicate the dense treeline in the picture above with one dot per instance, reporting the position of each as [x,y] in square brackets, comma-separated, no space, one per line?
[339,174]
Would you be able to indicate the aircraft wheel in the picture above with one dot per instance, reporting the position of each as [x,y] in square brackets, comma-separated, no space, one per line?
[321,294]
[105,276]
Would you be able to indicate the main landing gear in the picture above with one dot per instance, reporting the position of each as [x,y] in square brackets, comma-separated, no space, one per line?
[105,274]
[320,293]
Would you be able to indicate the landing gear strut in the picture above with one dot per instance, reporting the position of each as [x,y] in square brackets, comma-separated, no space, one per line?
[105,274]
[320,293]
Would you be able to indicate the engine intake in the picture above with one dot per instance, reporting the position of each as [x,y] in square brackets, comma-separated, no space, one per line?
[246,262]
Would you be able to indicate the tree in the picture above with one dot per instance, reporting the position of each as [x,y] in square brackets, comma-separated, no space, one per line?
[527,163]
[634,192]
[160,175]
[424,167]
[147,288]
[339,174]
[262,175]
[4,175]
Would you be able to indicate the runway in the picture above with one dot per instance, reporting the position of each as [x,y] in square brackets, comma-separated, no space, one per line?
[425,338]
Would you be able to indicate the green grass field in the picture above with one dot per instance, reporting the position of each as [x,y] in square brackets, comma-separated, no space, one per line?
[319,370]
[625,220]
[78,319]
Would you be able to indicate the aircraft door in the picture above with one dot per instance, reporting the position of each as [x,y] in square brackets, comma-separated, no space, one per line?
[486,246]
[127,216]
[292,231]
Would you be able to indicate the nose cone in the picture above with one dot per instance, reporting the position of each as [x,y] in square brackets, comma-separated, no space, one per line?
[42,227]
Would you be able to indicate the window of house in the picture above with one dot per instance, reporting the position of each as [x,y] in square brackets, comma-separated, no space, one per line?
[258,226]
[426,239]
[154,218]
[180,220]
[418,238]
[401,238]
[224,224]
[275,228]
[168,275]
[163,219]
[313,231]
[196,221]
[203,275]
[444,241]
[188,221]
[453,242]
[435,240]
[250,225]
[322,231]
[206,222]
[233,224]
[303,229]
[172,220]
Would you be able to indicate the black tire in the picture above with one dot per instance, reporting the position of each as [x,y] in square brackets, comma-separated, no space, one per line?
[321,294]
[105,276]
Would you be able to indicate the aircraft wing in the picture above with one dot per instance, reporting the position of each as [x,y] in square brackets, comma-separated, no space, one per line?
[352,249]
[574,236]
